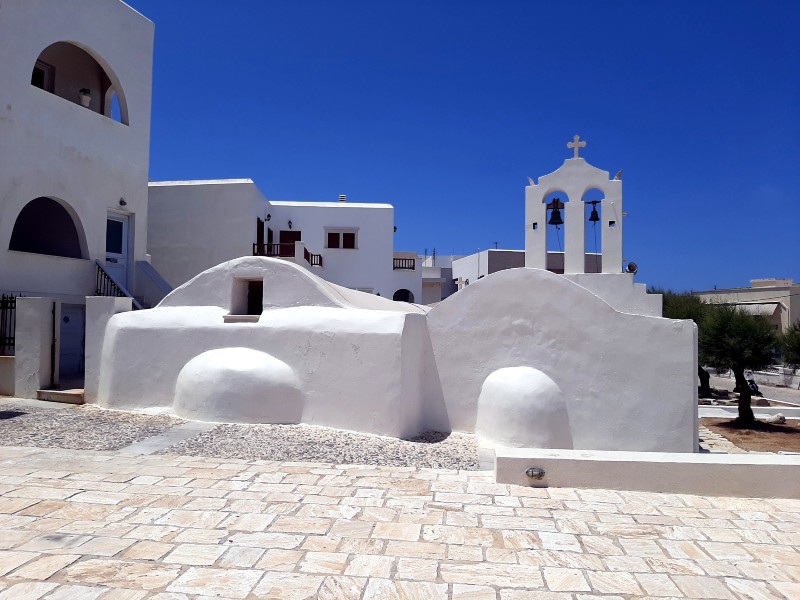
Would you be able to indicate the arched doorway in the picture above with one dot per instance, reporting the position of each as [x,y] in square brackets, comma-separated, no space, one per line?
[403,295]
[48,226]
[80,76]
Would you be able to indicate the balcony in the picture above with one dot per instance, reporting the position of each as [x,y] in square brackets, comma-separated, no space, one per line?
[404,264]
[289,252]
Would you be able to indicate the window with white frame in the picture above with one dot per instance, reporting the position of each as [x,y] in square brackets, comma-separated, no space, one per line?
[341,238]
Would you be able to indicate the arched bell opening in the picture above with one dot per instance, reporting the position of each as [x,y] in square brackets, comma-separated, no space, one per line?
[403,295]
[78,74]
[49,226]
[593,212]
[555,237]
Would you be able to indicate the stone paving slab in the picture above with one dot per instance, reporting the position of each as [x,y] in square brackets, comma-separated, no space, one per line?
[104,526]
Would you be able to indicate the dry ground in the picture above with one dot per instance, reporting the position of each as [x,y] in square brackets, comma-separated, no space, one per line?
[762,437]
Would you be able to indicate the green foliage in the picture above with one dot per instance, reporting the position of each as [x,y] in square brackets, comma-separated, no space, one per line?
[790,343]
[681,305]
[734,339]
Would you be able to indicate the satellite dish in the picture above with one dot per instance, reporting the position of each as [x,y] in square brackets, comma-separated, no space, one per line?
[632,268]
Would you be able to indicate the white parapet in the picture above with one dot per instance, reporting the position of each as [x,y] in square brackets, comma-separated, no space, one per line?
[742,475]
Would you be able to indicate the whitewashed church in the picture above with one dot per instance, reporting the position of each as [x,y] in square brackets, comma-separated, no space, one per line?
[296,312]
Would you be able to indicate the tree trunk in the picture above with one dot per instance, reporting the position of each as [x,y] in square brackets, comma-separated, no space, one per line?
[746,415]
[704,390]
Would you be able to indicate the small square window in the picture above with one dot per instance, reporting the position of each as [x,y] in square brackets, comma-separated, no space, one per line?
[341,239]
[612,224]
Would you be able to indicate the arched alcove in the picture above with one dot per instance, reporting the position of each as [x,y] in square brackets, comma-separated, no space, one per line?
[593,212]
[48,226]
[403,295]
[76,73]
[555,237]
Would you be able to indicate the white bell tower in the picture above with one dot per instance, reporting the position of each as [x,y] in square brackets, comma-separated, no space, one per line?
[572,180]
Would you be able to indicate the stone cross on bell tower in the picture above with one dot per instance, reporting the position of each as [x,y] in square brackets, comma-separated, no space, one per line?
[571,181]
[576,145]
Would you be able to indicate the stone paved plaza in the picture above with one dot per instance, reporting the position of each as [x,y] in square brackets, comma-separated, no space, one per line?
[79,524]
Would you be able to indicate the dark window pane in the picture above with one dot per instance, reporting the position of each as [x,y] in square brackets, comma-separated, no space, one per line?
[348,240]
[333,240]
[37,78]
[114,236]
[255,297]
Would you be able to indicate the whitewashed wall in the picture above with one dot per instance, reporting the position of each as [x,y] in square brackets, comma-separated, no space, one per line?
[612,380]
[53,147]
[355,354]
[628,380]
[196,225]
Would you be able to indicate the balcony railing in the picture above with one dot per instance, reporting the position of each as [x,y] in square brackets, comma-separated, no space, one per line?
[315,260]
[409,264]
[286,251]
[279,250]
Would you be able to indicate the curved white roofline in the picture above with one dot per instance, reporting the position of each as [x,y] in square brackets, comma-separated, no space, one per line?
[199,182]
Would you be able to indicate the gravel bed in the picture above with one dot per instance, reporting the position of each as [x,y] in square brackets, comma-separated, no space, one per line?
[78,428]
[320,444]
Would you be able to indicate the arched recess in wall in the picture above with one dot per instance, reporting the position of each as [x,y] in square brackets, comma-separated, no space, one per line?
[49,226]
[593,213]
[403,295]
[76,73]
[555,232]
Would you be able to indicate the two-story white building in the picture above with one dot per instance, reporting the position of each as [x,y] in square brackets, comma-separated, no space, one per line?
[75,90]
[195,225]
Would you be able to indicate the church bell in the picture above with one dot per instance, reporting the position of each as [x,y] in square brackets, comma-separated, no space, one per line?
[555,217]
[594,217]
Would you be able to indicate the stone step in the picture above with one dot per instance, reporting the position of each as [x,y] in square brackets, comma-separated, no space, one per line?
[72,396]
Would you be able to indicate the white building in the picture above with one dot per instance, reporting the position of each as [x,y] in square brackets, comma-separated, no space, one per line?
[195,225]
[778,300]
[75,90]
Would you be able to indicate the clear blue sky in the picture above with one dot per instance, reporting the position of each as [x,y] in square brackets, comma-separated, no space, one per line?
[444,108]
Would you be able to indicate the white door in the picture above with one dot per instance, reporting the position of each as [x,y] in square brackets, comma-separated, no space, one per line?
[117,247]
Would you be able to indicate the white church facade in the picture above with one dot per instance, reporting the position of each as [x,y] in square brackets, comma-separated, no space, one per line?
[265,325]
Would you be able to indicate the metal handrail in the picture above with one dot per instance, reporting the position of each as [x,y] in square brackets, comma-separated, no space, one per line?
[315,260]
[108,286]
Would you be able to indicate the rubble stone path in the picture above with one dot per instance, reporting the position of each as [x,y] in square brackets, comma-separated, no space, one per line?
[90,525]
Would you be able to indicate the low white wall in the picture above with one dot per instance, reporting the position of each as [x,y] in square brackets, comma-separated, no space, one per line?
[99,309]
[743,475]
[34,336]
[761,412]
[628,380]
[6,375]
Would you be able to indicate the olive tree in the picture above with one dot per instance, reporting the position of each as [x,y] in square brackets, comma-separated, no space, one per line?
[731,338]
[790,343]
